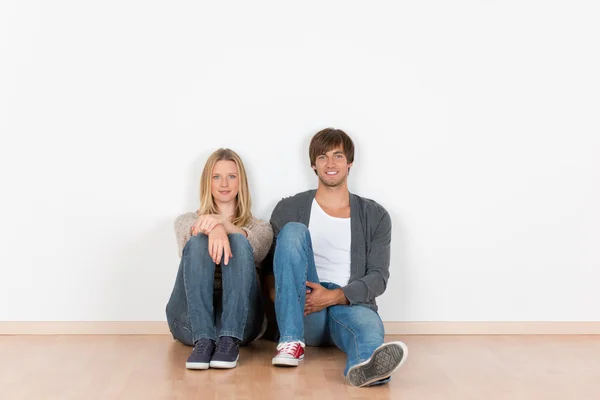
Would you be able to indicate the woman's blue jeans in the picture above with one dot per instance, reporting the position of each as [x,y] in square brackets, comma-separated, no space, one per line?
[195,310]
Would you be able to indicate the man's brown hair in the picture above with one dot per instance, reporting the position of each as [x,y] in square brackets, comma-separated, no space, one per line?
[326,140]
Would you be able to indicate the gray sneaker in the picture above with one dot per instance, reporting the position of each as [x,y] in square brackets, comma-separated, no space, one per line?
[227,353]
[385,359]
[201,355]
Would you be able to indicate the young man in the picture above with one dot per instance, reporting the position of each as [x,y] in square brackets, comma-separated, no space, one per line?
[330,260]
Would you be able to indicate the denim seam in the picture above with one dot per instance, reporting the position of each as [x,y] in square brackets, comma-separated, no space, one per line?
[185,286]
[231,334]
[302,287]
[290,339]
[248,290]
[353,335]
[184,326]
[202,336]
[195,336]
[238,335]
[177,330]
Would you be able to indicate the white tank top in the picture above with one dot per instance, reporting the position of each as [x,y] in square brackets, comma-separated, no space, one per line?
[331,240]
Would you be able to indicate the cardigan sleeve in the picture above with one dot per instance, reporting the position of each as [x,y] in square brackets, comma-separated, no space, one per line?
[183,226]
[374,283]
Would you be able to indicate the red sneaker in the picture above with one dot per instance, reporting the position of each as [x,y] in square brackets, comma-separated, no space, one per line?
[289,354]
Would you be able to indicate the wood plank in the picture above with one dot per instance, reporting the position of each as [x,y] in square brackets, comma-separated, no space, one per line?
[439,367]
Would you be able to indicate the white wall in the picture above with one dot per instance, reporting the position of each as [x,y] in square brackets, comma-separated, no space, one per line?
[477,127]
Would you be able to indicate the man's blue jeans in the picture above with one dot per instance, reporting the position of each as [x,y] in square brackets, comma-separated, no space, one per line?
[356,330]
[195,310]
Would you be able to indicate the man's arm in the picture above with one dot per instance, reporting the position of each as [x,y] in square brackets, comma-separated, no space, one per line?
[374,283]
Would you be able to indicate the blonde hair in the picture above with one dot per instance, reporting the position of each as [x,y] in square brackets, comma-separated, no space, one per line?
[242,214]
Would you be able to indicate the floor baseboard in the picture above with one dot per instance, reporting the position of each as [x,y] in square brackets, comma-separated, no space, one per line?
[391,328]
[493,328]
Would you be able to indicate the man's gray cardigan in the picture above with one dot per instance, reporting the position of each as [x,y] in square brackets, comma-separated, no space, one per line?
[370,243]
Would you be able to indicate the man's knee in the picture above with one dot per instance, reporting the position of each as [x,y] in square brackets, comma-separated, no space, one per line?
[292,232]
[360,319]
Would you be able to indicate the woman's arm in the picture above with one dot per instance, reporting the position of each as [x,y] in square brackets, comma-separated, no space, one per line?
[205,223]
[183,226]
[231,228]
[260,236]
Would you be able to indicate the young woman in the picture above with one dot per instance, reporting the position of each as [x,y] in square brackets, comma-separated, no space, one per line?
[216,302]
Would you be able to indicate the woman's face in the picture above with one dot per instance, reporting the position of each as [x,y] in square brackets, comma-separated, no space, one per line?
[224,181]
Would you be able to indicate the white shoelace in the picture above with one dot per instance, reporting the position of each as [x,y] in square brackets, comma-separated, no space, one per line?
[289,347]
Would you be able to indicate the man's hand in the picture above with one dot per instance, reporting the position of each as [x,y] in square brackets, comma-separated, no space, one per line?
[218,245]
[206,223]
[319,298]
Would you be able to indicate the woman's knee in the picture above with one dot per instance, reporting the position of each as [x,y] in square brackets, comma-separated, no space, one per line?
[239,244]
[242,262]
[196,243]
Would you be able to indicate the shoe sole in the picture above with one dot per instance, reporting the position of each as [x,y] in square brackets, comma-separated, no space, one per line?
[286,362]
[224,364]
[385,360]
[194,365]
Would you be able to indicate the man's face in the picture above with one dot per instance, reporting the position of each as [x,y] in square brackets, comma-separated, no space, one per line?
[332,167]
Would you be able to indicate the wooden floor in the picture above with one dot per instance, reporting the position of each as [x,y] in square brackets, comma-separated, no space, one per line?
[438,367]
